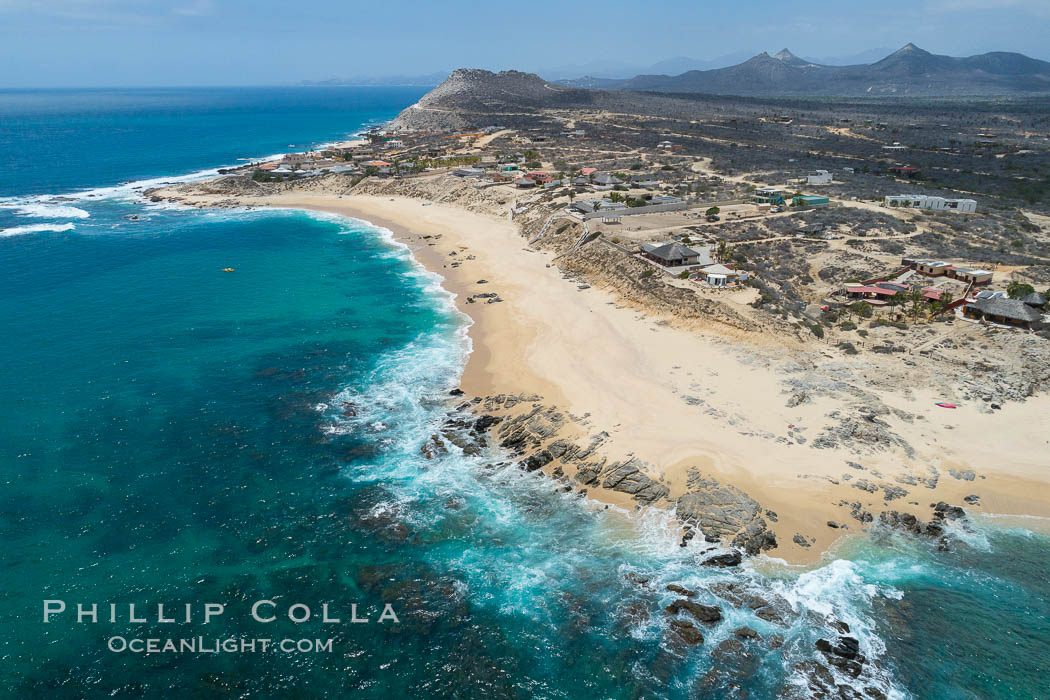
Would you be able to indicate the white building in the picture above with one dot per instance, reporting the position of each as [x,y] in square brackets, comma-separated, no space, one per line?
[921,201]
[819,177]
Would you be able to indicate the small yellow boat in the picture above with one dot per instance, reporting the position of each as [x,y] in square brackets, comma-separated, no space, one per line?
[227,269]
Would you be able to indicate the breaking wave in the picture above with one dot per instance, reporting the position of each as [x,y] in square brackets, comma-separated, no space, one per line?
[35,228]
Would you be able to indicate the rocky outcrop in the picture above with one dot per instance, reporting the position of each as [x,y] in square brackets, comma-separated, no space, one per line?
[708,614]
[724,511]
[863,430]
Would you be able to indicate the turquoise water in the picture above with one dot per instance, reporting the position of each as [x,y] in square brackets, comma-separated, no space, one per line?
[172,433]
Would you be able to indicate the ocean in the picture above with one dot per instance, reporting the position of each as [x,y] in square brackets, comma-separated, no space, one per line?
[175,434]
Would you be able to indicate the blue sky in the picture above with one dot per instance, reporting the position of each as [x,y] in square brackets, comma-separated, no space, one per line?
[48,43]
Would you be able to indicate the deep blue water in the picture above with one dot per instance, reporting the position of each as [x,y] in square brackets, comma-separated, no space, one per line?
[56,141]
[172,433]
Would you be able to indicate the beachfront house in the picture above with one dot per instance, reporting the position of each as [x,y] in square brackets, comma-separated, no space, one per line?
[671,254]
[468,172]
[590,206]
[719,275]
[1035,300]
[873,294]
[1009,312]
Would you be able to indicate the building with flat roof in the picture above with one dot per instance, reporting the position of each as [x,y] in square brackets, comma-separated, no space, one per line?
[809,200]
[768,195]
[921,201]
[970,275]
[819,177]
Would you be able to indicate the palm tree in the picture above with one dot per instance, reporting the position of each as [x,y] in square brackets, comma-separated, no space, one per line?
[722,250]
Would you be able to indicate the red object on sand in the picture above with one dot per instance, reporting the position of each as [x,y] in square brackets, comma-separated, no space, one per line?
[946,405]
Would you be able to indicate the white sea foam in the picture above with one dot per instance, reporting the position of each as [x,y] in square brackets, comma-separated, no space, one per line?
[35,228]
[38,207]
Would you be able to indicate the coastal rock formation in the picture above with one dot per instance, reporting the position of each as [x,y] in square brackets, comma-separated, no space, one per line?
[723,511]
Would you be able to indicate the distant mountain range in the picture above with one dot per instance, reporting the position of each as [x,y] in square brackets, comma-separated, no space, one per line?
[908,72]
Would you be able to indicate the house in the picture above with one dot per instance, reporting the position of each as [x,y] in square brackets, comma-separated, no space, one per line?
[768,195]
[718,275]
[468,172]
[1010,312]
[607,179]
[524,182]
[860,291]
[932,268]
[809,200]
[908,171]
[507,167]
[966,274]
[588,171]
[589,206]
[921,201]
[671,254]
[1035,300]
[819,177]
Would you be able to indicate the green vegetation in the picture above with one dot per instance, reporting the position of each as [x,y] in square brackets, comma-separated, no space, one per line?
[861,309]
[1019,290]
[684,274]
[847,326]
[713,211]
[647,274]
[722,250]
[421,163]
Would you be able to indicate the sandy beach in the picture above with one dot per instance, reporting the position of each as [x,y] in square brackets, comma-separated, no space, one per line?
[689,400]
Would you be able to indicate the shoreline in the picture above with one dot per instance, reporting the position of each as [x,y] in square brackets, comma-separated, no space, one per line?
[537,343]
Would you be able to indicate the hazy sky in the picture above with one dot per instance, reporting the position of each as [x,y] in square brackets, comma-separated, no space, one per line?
[49,43]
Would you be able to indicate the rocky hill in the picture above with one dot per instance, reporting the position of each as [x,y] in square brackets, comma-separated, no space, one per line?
[469,96]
